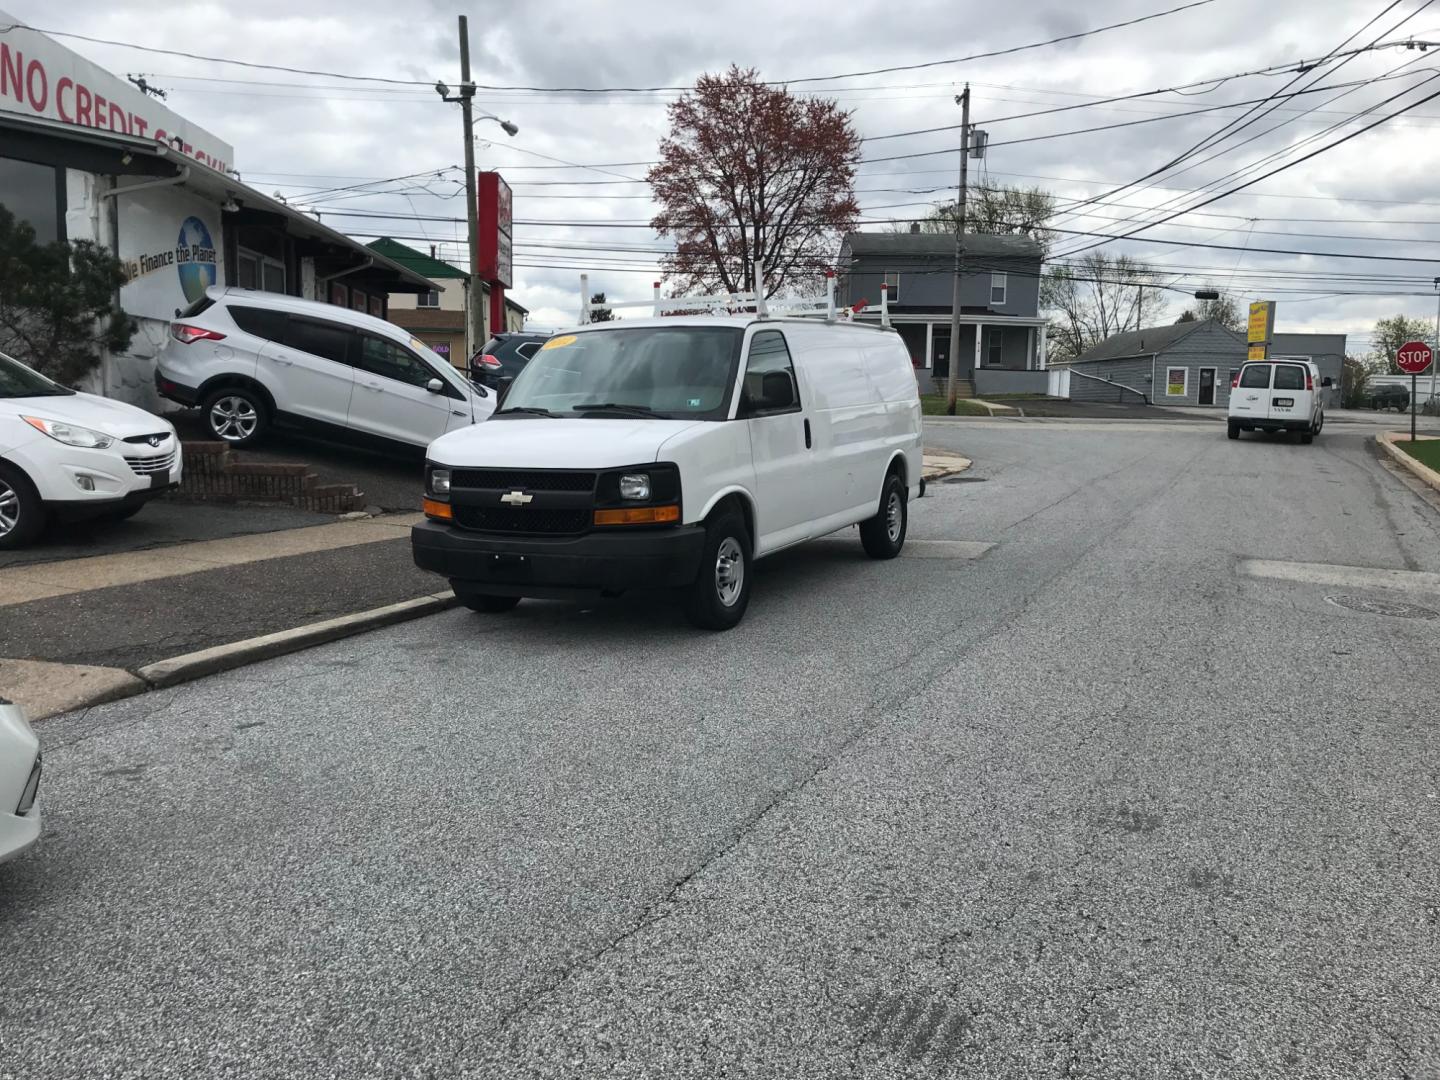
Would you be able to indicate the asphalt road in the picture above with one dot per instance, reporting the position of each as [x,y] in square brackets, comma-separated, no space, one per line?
[1096,804]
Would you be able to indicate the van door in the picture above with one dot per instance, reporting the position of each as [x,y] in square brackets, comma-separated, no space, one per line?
[1291,392]
[308,370]
[780,443]
[1250,400]
[392,398]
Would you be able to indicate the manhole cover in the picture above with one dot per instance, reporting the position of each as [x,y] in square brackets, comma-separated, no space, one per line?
[1392,608]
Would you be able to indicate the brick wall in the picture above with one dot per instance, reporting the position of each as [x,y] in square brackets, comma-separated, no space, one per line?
[213,473]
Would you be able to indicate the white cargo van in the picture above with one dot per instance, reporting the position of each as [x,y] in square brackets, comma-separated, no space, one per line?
[1280,394]
[673,452]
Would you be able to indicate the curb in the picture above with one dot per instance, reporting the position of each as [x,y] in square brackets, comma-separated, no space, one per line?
[1426,475]
[211,661]
[933,472]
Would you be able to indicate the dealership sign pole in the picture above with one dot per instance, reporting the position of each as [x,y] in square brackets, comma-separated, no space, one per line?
[1413,357]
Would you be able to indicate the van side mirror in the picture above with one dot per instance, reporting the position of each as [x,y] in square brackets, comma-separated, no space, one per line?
[1327,382]
[776,390]
[435,386]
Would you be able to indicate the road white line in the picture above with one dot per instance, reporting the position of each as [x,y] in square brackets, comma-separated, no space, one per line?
[1359,577]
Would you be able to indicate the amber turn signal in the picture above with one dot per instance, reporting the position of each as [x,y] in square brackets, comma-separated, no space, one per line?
[438,510]
[639,515]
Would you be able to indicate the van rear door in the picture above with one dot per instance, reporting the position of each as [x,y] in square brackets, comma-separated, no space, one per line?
[1250,397]
[1291,392]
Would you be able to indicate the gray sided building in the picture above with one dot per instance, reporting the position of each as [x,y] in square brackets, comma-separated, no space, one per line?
[1189,364]
[1002,336]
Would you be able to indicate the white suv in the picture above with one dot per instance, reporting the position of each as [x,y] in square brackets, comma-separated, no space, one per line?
[70,455]
[253,359]
[1277,395]
[19,782]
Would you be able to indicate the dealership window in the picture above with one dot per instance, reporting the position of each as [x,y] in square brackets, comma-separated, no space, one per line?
[35,194]
[260,272]
[999,284]
[1177,381]
[892,288]
[996,355]
[428,299]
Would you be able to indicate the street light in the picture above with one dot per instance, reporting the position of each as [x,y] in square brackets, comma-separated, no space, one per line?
[475,327]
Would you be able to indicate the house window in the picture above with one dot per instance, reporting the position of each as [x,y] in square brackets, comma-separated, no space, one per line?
[260,272]
[892,288]
[428,299]
[1177,381]
[35,194]
[996,355]
[999,283]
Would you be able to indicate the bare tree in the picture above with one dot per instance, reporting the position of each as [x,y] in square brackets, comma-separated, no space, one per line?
[999,211]
[1095,297]
[755,184]
[1224,310]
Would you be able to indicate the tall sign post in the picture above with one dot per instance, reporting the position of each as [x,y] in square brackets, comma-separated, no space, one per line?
[1413,357]
[1260,329]
[497,260]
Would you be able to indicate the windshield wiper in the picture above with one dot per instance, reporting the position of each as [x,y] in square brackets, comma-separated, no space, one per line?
[615,407]
[527,409]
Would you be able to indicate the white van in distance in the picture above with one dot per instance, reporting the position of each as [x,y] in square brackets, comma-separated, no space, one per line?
[673,452]
[1277,395]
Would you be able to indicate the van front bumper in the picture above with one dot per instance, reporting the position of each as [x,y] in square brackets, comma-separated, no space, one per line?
[561,567]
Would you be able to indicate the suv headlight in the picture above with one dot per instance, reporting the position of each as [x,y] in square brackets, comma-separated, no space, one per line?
[70,434]
[635,486]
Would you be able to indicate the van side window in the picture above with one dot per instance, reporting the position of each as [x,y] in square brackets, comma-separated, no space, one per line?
[770,385]
[1289,377]
[391,361]
[262,322]
[318,338]
[1255,376]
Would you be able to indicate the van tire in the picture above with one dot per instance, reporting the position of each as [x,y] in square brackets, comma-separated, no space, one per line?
[1307,437]
[884,534]
[23,509]
[1232,430]
[488,604]
[236,415]
[717,598]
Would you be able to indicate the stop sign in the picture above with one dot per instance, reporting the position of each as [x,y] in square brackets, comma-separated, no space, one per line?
[1414,357]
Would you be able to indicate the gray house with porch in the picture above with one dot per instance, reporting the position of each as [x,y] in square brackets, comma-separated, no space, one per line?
[1002,336]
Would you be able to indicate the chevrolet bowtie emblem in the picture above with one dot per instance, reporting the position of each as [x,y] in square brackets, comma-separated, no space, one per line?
[516,498]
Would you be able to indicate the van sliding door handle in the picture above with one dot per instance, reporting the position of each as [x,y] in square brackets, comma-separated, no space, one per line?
[807,434]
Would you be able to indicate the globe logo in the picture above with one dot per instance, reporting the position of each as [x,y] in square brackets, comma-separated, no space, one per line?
[195,254]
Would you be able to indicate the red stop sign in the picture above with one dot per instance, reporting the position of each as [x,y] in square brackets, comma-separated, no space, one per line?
[1414,357]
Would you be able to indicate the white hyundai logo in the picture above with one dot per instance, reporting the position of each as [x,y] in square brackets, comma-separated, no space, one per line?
[516,498]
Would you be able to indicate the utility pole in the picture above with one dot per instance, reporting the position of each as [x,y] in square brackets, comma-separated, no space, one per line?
[1435,363]
[964,100]
[474,303]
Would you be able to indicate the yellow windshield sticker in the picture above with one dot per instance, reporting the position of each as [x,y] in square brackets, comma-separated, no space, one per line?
[558,342]
[416,343]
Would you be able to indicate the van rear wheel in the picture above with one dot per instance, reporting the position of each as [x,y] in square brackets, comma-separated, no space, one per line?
[1233,430]
[717,598]
[884,535]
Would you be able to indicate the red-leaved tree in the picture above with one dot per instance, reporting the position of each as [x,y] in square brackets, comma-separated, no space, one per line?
[755,185]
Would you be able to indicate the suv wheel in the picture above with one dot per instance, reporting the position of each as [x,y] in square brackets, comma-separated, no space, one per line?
[236,415]
[717,599]
[22,514]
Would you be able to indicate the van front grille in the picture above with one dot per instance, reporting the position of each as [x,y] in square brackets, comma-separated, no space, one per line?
[523,479]
[504,519]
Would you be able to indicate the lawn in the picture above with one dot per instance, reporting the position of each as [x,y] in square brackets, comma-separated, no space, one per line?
[934,405]
[1427,451]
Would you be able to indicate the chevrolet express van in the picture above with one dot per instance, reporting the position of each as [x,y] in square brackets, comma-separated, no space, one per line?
[1280,394]
[672,453]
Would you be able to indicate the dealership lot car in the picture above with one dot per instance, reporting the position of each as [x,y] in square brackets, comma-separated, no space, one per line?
[252,360]
[71,456]
[673,452]
[503,357]
[19,782]
[1277,395]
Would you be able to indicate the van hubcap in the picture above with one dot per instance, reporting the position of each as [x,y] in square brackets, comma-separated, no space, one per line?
[233,418]
[9,508]
[894,516]
[729,571]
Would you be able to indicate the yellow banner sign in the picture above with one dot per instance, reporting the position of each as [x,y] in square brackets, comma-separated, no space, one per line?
[1262,320]
[1257,352]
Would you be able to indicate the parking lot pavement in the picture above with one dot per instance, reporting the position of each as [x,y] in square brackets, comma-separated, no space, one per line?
[1092,803]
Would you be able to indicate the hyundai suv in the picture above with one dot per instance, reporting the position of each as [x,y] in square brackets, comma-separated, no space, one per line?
[252,360]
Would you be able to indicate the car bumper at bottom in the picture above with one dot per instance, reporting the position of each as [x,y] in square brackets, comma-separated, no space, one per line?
[561,567]
[18,834]
[1273,425]
[82,509]
[176,391]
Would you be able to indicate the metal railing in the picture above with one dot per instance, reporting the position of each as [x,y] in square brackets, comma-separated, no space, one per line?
[1111,382]
[737,302]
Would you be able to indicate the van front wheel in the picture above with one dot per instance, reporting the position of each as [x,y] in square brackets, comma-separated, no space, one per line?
[717,598]
[884,535]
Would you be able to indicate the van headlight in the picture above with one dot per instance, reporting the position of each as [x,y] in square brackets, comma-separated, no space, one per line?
[437,482]
[71,434]
[635,486]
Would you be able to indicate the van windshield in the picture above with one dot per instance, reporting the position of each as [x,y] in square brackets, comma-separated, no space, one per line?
[680,372]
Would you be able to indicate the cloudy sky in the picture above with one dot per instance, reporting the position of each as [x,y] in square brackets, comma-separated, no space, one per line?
[329,143]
